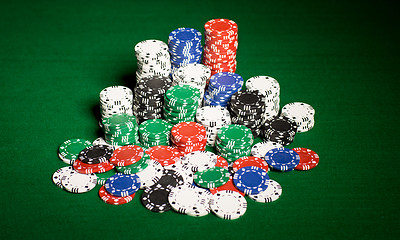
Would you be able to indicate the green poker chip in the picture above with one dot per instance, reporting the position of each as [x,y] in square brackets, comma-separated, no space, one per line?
[138,166]
[235,135]
[154,129]
[182,94]
[69,150]
[212,177]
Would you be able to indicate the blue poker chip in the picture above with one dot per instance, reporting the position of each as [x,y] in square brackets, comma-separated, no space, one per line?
[226,81]
[251,180]
[213,102]
[122,185]
[184,35]
[282,159]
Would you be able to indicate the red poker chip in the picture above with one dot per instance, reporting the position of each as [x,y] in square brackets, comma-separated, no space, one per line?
[85,168]
[221,27]
[250,161]
[126,155]
[188,132]
[229,64]
[218,48]
[193,144]
[221,162]
[308,159]
[114,200]
[165,155]
[227,186]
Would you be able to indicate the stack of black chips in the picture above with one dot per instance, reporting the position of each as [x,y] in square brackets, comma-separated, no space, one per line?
[149,97]
[247,108]
[279,129]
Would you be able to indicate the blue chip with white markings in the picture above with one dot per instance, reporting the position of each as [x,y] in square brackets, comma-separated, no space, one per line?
[282,159]
[122,185]
[251,180]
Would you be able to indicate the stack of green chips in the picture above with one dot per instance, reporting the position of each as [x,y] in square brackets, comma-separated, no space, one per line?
[138,166]
[234,141]
[121,130]
[180,104]
[154,132]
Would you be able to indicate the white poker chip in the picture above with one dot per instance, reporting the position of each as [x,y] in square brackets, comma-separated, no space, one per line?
[75,182]
[302,113]
[272,193]
[57,175]
[190,200]
[228,204]
[260,149]
[199,160]
[213,116]
[151,174]
[266,85]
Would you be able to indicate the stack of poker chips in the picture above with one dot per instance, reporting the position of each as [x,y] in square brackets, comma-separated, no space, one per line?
[234,141]
[213,118]
[94,159]
[180,104]
[247,108]
[152,59]
[302,113]
[184,47]
[195,75]
[149,97]
[188,137]
[221,87]
[115,100]
[120,129]
[154,132]
[221,43]
[270,88]
[279,129]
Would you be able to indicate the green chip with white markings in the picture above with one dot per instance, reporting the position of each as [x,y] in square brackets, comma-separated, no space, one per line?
[70,149]
[212,177]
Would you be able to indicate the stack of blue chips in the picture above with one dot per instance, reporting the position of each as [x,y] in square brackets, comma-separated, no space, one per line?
[184,47]
[221,88]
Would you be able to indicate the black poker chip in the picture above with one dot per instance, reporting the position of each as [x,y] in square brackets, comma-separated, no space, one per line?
[279,129]
[170,178]
[96,154]
[155,198]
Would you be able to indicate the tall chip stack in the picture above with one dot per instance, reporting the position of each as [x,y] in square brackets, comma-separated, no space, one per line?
[116,100]
[221,43]
[184,47]
[153,59]
[270,88]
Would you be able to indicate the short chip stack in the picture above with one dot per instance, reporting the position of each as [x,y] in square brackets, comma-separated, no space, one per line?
[188,137]
[154,132]
[185,47]
[221,43]
[279,129]
[247,108]
[234,141]
[221,87]
[121,129]
[153,59]
[195,75]
[270,88]
[213,118]
[115,100]
[180,104]
[94,159]
[149,97]
[302,113]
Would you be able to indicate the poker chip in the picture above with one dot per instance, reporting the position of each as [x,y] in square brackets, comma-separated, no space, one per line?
[221,162]
[114,200]
[228,204]
[270,88]
[102,177]
[86,168]
[221,87]
[247,108]
[170,178]
[151,174]
[251,180]
[115,100]
[279,129]
[183,170]
[234,141]
[282,159]
[212,118]
[249,161]
[153,59]
[75,182]
[165,155]
[211,177]
[227,186]
[190,200]
[272,193]
[188,137]
[57,175]
[155,198]
[120,130]
[301,113]
[122,185]
[260,149]
[69,150]
[101,141]
[139,166]
[95,154]
[184,46]
[126,155]
[154,132]
[199,160]
[221,43]
[308,159]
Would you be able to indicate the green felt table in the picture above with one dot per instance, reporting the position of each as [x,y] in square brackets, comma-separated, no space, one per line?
[342,57]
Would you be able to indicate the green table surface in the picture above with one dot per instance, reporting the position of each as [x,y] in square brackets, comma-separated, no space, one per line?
[342,57]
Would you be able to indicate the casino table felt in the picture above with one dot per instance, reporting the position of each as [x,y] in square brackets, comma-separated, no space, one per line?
[341,57]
